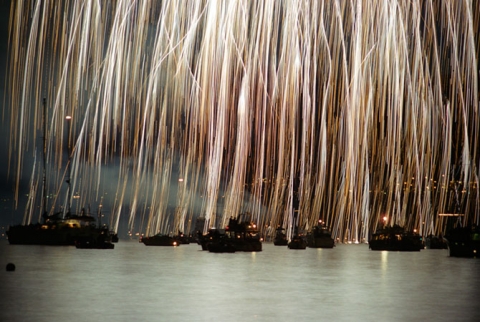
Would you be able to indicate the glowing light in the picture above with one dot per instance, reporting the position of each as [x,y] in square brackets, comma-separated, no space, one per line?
[320,108]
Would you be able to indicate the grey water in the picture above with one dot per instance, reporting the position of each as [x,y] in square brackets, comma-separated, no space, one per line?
[134,282]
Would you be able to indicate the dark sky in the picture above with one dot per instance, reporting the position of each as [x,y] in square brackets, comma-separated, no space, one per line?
[4,11]
[8,214]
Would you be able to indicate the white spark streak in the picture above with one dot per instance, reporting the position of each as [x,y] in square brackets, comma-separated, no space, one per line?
[360,108]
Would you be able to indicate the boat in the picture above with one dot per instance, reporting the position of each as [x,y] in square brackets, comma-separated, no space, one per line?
[297,242]
[464,242]
[56,230]
[113,236]
[60,229]
[320,237]
[242,232]
[88,243]
[240,235]
[435,242]
[280,237]
[102,241]
[221,245]
[159,240]
[395,238]
[213,235]
[182,238]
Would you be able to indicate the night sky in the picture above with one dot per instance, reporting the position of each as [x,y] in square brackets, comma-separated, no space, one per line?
[384,137]
[6,181]
[4,9]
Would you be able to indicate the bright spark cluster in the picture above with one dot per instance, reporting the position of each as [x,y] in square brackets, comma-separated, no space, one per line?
[352,110]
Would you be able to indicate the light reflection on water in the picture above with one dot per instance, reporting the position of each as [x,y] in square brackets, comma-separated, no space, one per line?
[134,282]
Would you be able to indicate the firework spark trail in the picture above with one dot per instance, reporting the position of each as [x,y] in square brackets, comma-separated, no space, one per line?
[362,109]
[321,162]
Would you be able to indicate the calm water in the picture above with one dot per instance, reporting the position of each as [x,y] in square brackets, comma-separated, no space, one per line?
[138,283]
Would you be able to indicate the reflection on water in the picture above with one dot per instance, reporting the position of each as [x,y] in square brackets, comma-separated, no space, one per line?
[134,282]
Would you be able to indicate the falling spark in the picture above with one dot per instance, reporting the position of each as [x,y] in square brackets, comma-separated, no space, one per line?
[357,108]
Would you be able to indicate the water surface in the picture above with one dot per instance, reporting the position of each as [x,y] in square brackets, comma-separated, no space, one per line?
[138,283]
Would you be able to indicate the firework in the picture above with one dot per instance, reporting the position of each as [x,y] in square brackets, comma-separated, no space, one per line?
[295,111]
